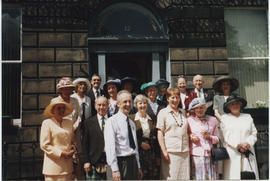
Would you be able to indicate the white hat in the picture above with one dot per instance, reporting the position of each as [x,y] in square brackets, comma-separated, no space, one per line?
[197,102]
[78,80]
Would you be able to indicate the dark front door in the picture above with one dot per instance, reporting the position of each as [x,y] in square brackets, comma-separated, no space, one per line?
[138,65]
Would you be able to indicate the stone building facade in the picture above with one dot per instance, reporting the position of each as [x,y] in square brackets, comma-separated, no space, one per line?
[62,38]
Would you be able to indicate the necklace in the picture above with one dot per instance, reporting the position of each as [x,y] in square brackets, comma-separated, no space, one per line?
[181,123]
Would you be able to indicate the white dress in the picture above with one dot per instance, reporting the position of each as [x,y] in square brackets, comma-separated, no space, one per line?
[238,130]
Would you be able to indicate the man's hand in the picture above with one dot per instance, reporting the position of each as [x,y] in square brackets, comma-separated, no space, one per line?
[87,167]
[140,173]
[116,175]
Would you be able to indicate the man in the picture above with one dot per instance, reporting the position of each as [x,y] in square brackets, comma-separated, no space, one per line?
[95,91]
[121,142]
[94,157]
[201,93]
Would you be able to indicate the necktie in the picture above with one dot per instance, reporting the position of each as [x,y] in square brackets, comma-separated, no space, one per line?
[102,124]
[97,93]
[130,136]
[83,111]
[199,94]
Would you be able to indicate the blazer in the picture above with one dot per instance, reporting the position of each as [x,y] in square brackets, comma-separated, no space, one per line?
[189,97]
[91,94]
[93,141]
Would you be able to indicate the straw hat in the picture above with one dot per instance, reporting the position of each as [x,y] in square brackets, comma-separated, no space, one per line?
[63,83]
[233,82]
[234,98]
[78,80]
[55,101]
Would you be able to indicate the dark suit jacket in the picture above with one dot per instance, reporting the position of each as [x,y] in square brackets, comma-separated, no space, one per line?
[91,94]
[152,115]
[93,141]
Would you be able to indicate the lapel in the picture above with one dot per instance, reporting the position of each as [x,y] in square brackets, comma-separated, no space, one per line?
[96,125]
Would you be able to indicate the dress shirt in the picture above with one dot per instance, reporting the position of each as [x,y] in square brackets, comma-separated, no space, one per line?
[100,119]
[87,102]
[53,141]
[195,126]
[144,124]
[117,140]
[201,92]
[76,114]
[95,91]
[176,137]
[183,98]
[154,105]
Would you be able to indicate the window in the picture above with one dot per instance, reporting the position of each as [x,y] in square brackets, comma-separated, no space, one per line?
[11,59]
[246,37]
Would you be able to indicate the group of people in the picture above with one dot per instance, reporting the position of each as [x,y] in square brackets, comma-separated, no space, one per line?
[116,133]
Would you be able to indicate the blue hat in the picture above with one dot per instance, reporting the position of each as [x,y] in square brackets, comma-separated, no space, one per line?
[146,85]
[163,81]
[196,103]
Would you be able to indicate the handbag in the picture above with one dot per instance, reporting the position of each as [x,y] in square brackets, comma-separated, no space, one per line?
[218,152]
[247,175]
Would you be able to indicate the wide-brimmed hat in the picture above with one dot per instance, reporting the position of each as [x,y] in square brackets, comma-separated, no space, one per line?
[78,80]
[128,79]
[163,81]
[117,82]
[146,85]
[196,102]
[63,83]
[233,82]
[231,99]
[55,101]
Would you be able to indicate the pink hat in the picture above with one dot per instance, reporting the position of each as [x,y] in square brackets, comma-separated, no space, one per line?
[64,82]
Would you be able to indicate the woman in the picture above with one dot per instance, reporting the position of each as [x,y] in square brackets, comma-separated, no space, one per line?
[185,97]
[154,105]
[173,139]
[203,133]
[82,85]
[147,140]
[162,85]
[56,141]
[224,86]
[111,88]
[240,135]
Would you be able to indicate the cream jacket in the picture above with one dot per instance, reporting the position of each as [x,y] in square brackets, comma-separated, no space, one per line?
[238,130]
[53,140]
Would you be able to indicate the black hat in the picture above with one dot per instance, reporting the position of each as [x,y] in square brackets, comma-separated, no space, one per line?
[234,98]
[162,81]
[117,82]
[233,82]
[128,79]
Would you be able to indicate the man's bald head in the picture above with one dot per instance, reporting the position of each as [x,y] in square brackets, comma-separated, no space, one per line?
[198,82]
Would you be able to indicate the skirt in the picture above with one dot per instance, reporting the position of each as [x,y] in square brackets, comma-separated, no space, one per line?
[178,168]
[203,168]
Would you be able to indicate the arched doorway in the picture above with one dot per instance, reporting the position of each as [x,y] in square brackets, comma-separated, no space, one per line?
[127,39]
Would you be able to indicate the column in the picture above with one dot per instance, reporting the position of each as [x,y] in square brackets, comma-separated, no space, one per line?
[102,68]
[155,67]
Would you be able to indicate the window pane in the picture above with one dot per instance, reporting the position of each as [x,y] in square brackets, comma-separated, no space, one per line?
[246,33]
[11,27]
[253,79]
[11,89]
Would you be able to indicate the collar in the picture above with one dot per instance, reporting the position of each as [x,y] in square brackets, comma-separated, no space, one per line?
[137,116]
[151,102]
[94,90]
[196,90]
[99,116]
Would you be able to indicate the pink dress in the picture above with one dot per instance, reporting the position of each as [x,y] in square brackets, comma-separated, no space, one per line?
[202,167]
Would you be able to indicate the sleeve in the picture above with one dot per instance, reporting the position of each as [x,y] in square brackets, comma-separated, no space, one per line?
[137,153]
[215,134]
[229,138]
[161,121]
[109,136]
[46,140]
[215,102]
[85,145]
[252,138]
[77,117]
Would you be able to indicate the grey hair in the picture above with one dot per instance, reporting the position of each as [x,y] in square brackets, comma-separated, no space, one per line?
[139,98]
[119,94]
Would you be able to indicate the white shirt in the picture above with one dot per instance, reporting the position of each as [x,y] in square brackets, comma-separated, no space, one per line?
[87,102]
[99,117]
[183,97]
[201,92]
[154,106]
[144,124]
[95,91]
[116,139]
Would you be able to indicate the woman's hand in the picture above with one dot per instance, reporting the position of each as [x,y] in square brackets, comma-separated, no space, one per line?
[166,157]
[243,147]
[67,154]
[194,138]
[206,134]
[145,146]
[87,167]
